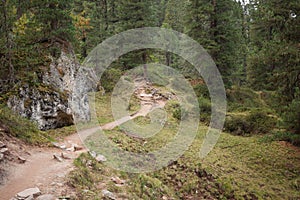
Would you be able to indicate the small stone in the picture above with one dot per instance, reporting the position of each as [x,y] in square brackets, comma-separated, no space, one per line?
[109,194]
[117,180]
[55,144]
[93,154]
[77,148]
[58,158]
[89,163]
[61,175]
[2,145]
[60,184]
[53,183]
[21,159]
[28,192]
[4,150]
[60,146]
[64,198]
[1,157]
[72,149]
[101,158]
[65,156]
[46,197]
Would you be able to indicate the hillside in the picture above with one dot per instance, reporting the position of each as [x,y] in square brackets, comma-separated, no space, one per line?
[152,99]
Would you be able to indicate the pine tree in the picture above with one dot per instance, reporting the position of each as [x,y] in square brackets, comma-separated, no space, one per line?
[227,34]
[135,14]
[6,41]
[274,61]
[217,26]
[54,17]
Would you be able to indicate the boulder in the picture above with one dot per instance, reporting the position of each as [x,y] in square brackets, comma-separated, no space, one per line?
[61,95]
[77,147]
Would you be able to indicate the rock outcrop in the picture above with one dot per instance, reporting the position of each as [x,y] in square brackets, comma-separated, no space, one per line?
[61,94]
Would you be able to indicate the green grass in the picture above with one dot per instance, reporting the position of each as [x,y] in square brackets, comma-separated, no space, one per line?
[27,130]
[22,128]
[61,133]
[267,170]
[237,168]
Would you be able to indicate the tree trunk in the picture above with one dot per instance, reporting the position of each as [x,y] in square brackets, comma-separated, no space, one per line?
[146,77]
[8,45]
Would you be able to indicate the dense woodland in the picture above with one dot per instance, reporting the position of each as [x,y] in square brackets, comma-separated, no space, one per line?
[255,44]
[256,47]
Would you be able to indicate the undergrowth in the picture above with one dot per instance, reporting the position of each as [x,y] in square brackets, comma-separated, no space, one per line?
[22,128]
[237,168]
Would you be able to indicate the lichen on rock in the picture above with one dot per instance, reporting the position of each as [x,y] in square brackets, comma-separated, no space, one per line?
[62,94]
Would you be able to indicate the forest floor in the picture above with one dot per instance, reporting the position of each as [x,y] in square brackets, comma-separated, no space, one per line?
[237,168]
[47,168]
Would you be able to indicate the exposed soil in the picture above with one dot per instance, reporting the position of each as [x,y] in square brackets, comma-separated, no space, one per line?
[42,170]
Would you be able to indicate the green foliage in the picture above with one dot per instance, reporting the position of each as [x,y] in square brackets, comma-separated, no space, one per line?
[22,128]
[291,115]
[256,122]
[205,109]
[292,138]
[201,90]
[174,108]
[218,27]
[53,18]
[109,78]
[273,62]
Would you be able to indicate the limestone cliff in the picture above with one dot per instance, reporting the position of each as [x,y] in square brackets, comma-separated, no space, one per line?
[60,95]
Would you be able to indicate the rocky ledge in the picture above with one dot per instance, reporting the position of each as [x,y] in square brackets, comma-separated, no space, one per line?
[61,94]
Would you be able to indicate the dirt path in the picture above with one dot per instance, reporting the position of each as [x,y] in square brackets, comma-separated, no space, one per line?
[43,171]
[144,111]
[48,174]
[149,102]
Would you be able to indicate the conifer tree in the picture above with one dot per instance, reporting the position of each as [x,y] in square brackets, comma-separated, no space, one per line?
[54,17]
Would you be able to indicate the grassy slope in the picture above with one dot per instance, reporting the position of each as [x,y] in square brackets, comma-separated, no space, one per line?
[249,166]
[22,128]
[26,130]
[244,166]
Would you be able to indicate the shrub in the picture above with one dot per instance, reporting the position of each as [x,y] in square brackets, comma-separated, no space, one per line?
[205,109]
[261,122]
[201,90]
[245,99]
[237,125]
[257,122]
[109,78]
[291,116]
[175,109]
[283,136]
